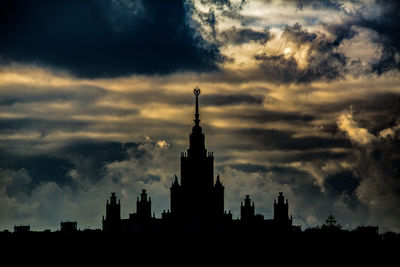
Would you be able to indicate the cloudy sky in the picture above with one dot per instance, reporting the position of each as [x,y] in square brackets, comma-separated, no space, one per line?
[297,96]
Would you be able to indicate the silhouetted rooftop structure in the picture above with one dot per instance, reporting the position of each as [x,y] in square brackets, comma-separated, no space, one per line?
[22,228]
[331,223]
[68,227]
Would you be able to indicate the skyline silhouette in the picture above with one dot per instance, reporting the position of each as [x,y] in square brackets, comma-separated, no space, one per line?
[197,204]
[301,97]
[197,226]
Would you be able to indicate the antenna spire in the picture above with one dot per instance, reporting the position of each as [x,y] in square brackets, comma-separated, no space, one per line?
[196,92]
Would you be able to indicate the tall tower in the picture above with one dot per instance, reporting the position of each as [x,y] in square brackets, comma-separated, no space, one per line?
[197,166]
[197,200]
[112,221]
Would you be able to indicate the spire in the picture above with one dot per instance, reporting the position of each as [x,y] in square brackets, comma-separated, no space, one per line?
[197,144]
[218,183]
[175,183]
[143,195]
[196,92]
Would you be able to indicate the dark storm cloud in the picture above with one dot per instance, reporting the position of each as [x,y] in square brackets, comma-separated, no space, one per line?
[86,157]
[270,139]
[379,174]
[323,61]
[41,168]
[187,99]
[375,159]
[12,94]
[263,115]
[229,10]
[103,38]
[387,26]
[385,102]
[282,175]
[381,115]
[35,106]
[233,99]
[342,182]
[248,167]
[245,35]
[318,4]
[8,125]
[340,32]
[286,157]
[225,5]
[89,158]
[312,155]
[376,112]
[220,3]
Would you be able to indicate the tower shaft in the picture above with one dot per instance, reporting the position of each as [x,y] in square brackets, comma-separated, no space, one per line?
[197,199]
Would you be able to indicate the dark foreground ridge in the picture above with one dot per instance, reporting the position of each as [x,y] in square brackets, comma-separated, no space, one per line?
[317,247]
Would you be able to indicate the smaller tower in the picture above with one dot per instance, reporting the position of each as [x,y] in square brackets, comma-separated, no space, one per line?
[113,214]
[281,212]
[219,198]
[176,198]
[143,206]
[68,227]
[247,211]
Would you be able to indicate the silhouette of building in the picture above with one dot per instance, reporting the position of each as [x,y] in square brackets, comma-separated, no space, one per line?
[368,230]
[281,212]
[197,200]
[112,222]
[22,228]
[247,211]
[143,206]
[68,227]
[141,221]
[331,224]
